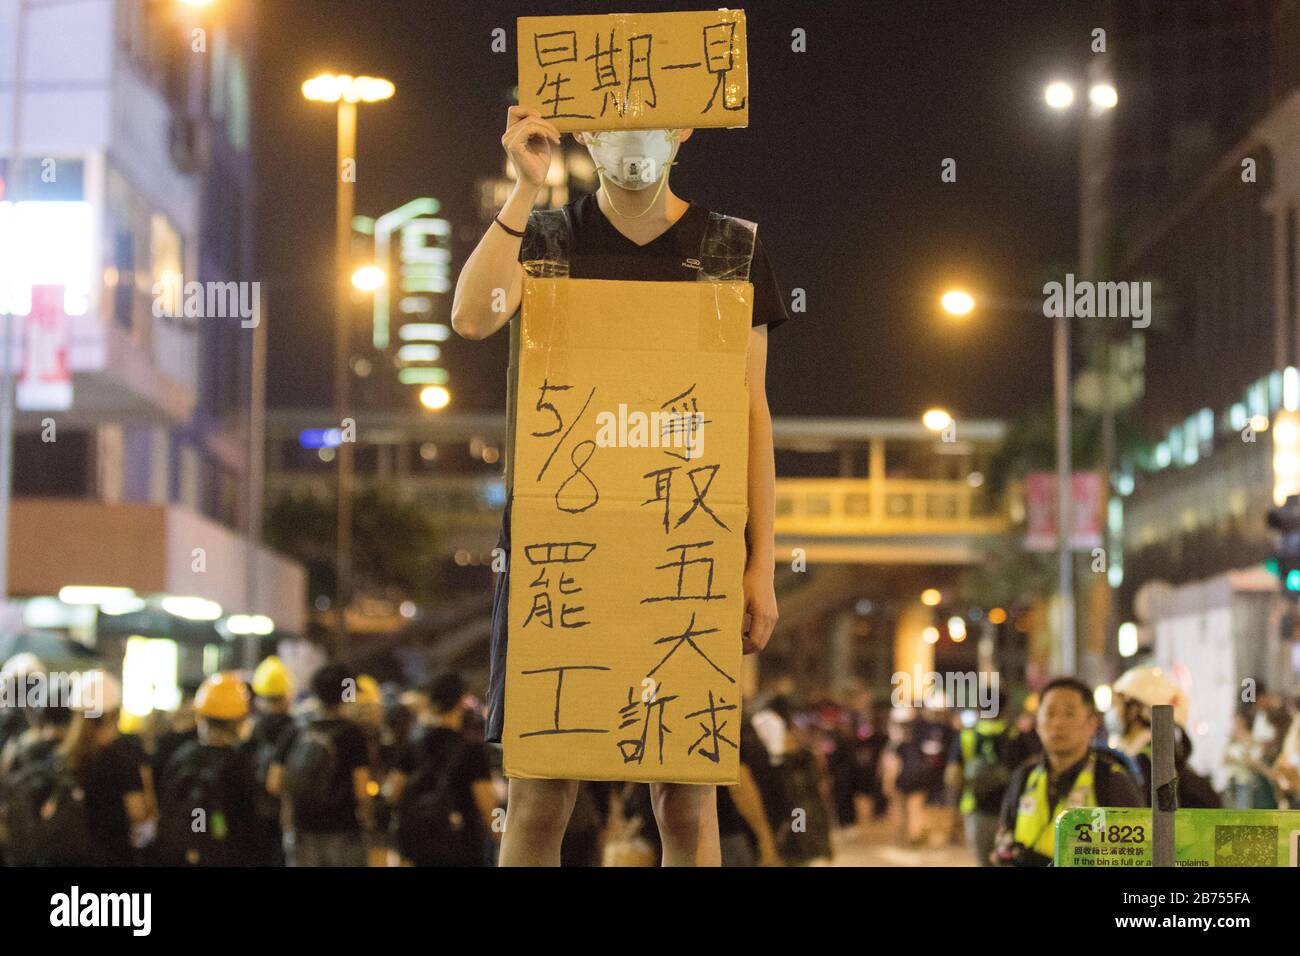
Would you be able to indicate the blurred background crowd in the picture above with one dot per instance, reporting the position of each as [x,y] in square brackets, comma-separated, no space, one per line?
[348,771]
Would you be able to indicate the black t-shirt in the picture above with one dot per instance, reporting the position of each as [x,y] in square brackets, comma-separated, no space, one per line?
[239,791]
[442,751]
[599,251]
[168,743]
[439,747]
[107,777]
[268,729]
[338,813]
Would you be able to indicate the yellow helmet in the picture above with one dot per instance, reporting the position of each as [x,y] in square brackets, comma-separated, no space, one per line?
[222,697]
[368,691]
[271,679]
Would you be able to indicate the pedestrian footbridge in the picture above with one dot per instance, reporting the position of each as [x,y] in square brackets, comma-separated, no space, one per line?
[849,490]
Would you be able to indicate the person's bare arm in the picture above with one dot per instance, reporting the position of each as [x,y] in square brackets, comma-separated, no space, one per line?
[150,791]
[489,286]
[760,590]
[394,785]
[361,791]
[137,806]
[275,779]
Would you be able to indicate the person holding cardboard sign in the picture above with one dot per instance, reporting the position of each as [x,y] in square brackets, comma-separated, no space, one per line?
[633,228]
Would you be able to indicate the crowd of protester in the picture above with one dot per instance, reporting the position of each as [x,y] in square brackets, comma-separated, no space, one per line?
[346,772]
[343,772]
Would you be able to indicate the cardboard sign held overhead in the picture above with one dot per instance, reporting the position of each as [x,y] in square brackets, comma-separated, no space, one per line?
[628,531]
[636,71]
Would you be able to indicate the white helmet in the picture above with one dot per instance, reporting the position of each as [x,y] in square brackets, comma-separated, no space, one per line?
[1150,686]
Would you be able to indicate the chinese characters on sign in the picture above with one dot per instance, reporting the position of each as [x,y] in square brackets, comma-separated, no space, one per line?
[627,71]
[628,550]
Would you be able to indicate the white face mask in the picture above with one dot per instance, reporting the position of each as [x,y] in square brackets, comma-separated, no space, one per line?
[633,159]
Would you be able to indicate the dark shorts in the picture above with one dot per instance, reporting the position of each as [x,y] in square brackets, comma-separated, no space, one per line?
[496,696]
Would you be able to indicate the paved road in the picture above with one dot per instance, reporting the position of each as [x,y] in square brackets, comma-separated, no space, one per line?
[875,846]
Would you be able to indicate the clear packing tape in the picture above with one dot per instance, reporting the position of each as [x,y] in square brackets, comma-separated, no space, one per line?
[628,470]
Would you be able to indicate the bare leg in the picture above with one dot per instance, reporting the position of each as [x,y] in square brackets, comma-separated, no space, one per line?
[916,826]
[710,845]
[537,814]
[678,807]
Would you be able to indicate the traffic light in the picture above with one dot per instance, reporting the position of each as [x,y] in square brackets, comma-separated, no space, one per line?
[1285,561]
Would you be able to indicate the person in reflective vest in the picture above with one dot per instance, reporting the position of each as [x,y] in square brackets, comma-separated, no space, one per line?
[978,767]
[1070,773]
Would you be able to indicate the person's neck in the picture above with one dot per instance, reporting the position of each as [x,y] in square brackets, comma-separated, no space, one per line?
[640,212]
[1058,763]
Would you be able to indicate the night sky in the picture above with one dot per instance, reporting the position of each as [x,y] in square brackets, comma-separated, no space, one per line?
[840,166]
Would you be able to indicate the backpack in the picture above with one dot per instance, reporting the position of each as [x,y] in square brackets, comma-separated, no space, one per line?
[197,778]
[311,772]
[45,811]
[432,829]
[987,774]
[811,838]
[1196,791]
[262,747]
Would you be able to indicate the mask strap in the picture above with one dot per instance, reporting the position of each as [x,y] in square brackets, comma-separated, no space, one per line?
[609,197]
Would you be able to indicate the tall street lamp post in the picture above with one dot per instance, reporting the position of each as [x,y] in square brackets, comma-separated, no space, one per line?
[960,303]
[346,92]
[1094,211]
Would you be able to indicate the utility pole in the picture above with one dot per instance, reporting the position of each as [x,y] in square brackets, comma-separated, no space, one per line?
[347,142]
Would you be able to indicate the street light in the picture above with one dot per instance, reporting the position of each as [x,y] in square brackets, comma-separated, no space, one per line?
[435,397]
[958,303]
[341,88]
[957,299]
[936,419]
[1094,148]
[368,278]
[1103,96]
[346,92]
[1059,95]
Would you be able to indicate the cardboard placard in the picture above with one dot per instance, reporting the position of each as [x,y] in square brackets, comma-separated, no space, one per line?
[628,531]
[1106,836]
[636,71]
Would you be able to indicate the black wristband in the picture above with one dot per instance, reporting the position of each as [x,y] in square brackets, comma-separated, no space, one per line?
[515,233]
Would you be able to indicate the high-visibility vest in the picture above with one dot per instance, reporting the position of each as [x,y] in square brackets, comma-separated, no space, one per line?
[1034,817]
[970,740]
